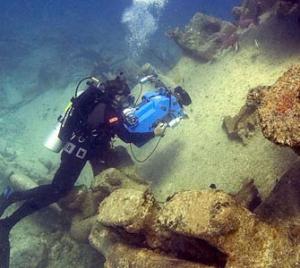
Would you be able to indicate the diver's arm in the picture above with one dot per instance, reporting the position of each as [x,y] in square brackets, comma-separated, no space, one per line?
[136,138]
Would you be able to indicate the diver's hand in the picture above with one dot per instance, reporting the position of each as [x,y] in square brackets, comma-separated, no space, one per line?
[160,129]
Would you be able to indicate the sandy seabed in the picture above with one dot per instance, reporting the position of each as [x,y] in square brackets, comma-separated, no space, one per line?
[198,153]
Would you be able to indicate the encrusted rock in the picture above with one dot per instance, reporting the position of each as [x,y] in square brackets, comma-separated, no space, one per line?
[126,208]
[83,203]
[112,179]
[247,13]
[216,218]
[204,36]
[197,214]
[120,254]
[279,111]
[243,125]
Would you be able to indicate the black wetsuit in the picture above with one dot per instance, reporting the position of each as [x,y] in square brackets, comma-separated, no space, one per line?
[99,123]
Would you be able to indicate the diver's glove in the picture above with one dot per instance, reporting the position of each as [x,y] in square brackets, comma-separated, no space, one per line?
[160,129]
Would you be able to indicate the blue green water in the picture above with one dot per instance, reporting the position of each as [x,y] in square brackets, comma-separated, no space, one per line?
[46,45]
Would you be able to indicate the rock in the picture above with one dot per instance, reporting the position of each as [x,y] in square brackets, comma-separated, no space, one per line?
[206,227]
[82,204]
[247,14]
[204,36]
[199,214]
[112,179]
[81,228]
[118,157]
[288,8]
[248,196]
[126,208]
[216,218]
[279,111]
[282,206]
[48,164]
[243,125]
[33,256]
[21,182]
[119,254]
[65,252]
[6,170]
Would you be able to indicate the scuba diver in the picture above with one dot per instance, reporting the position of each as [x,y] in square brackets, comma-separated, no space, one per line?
[88,127]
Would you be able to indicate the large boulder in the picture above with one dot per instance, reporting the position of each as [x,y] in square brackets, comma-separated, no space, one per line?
[126,208]
[279,111]
[216,218]
[207,227]
[82,203]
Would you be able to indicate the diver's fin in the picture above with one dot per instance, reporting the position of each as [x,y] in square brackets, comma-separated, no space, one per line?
[4,245]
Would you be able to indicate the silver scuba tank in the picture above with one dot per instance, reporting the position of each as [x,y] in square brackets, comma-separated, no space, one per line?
[53,142]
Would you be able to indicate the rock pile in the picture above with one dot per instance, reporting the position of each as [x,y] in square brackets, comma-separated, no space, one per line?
[191,229]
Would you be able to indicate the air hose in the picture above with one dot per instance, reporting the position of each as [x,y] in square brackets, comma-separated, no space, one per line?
[145,159]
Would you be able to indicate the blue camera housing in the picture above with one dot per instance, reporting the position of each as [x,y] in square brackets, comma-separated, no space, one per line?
[155,107]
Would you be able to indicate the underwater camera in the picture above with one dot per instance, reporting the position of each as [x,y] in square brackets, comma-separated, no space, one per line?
[160,105]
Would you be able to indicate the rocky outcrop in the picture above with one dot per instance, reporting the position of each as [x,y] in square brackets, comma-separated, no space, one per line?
[204,36]
[282,206]
[82,203]
[251,11]
[279,111]
[243,125]
[233,230]
[196,228]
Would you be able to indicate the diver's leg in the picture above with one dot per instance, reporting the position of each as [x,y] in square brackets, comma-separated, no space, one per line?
[63,182]
[72,162]
[65,177]
[26,209]
[42,196]
[4,246]
[8,198]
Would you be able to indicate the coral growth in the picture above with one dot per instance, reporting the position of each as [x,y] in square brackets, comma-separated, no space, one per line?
[279,111]
[204,36]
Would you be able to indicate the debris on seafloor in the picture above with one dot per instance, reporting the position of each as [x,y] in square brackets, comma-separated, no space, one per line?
[243,125]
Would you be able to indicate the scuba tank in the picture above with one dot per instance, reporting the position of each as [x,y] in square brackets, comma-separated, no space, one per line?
[70,120]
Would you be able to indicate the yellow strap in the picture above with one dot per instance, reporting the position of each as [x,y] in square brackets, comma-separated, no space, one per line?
[68,106]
